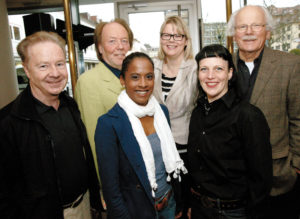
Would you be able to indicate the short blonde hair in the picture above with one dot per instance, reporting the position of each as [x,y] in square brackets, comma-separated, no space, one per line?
[182,29]
[38,37]
[99,29]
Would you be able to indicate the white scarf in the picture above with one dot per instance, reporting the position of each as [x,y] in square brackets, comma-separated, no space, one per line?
[170,156]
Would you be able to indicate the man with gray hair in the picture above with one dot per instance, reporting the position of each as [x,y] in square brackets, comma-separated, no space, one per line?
[270,80]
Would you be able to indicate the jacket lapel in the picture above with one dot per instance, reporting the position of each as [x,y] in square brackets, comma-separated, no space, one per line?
[110,78]
[266,69]
[132,150]
[180,78]
[157,84]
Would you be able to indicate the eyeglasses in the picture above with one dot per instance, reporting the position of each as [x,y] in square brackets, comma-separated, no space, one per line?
[254,27]
[176,37]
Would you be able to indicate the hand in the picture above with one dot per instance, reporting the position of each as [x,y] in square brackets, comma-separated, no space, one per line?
[189,213]
[178,215]
[297,170]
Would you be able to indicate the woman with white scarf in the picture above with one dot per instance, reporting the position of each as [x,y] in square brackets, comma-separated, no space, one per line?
[139,165]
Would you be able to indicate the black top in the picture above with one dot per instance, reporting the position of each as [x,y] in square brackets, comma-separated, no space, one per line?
[246,80]
[229,150]
[30,187]
[166,85]
[70,162]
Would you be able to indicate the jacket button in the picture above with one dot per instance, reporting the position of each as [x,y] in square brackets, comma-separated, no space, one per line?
[48,137]
[138,186]
[198,150]
[203,133]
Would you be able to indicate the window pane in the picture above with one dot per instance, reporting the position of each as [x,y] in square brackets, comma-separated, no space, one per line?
[147,40]
[17,33]
[214,22]
[11,32]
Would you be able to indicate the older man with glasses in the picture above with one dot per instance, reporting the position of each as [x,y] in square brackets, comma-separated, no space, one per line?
[270,80]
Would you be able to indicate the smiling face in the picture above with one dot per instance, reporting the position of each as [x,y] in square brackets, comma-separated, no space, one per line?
[214,76]
[170,47]
[46,70]
[114,44]
[251,42]
[139,80]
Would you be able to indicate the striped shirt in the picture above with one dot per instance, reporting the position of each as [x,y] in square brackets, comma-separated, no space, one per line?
[166,84]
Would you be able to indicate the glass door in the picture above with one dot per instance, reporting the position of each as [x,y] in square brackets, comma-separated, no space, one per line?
[146,18]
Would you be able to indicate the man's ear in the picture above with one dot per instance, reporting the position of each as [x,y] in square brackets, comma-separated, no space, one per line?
[268,35]
[26,69]
[100,48]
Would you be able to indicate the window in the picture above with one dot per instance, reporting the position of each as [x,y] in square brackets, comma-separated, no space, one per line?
[11,33]
[286,15]
[207,33]
[17,33]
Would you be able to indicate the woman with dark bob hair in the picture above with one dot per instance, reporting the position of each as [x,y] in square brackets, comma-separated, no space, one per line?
[229,151]
[138,161]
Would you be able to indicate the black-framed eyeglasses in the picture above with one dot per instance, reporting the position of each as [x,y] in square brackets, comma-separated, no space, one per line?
[176,37]
[254,27]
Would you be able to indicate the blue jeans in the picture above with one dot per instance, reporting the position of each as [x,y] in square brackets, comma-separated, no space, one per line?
[201,212]
[169,211]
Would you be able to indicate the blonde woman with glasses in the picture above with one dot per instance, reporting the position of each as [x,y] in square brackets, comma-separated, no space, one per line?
[176,82]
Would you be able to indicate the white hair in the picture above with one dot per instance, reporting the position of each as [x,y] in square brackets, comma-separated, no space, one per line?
[230,30]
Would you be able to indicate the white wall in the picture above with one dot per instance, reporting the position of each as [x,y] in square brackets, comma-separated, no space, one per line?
[8,77]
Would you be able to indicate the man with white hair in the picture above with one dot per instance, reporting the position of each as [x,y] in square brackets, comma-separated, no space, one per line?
[270,80]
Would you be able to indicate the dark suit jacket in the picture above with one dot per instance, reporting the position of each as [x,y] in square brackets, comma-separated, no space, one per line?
[277,93]
[126,187]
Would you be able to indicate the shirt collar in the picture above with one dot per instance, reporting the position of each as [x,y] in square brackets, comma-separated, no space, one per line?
[257,60]
[116,71]
[42,108]
[228,99]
